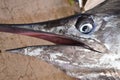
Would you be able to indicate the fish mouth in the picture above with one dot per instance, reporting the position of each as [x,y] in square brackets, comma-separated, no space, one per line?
[58,39]
[55,38]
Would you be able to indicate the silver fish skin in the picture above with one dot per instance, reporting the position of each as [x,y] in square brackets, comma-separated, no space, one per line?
[79,61]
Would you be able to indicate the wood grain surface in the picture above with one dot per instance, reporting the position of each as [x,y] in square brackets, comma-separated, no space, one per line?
[92,3]
[27,11]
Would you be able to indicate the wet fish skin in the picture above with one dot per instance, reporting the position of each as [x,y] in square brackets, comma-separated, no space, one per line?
[107,7]
[76,61]
[107,20]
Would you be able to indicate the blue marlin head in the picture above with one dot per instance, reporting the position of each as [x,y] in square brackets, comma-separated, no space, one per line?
[97,55]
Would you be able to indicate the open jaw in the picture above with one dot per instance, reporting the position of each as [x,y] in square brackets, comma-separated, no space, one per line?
[55,38]
[66,55]
[83,59]
[78,59]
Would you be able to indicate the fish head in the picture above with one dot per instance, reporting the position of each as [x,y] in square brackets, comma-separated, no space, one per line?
[100,31]
[96,57]
[102,25]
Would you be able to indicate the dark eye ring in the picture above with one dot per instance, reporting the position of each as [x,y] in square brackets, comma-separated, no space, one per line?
[85,24]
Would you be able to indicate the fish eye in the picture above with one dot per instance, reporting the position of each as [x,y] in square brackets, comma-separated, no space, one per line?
[86,28]
[85,24]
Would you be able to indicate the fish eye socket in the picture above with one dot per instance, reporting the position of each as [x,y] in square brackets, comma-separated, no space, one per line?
[85,24]
[86,28]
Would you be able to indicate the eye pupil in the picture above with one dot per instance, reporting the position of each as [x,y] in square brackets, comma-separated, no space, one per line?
[84,28]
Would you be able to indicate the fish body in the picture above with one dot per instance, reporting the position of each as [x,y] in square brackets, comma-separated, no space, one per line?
[95,55]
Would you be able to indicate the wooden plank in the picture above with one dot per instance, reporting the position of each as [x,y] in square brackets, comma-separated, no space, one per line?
[92,3]
[28,11]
